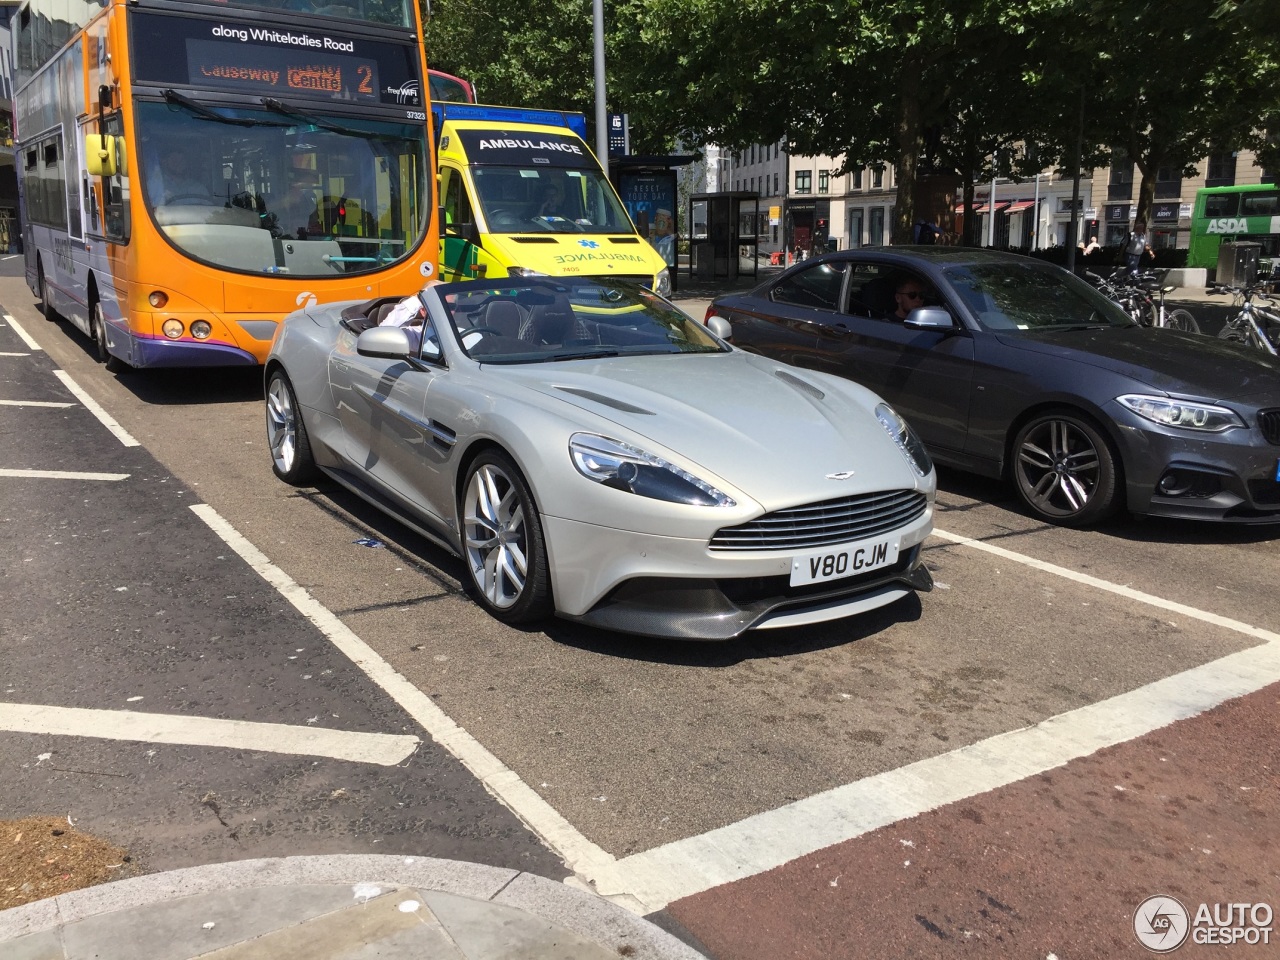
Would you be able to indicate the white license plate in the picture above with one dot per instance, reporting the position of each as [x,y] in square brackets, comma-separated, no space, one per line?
[848,560]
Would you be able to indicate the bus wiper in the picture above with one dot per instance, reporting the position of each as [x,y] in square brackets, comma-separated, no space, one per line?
[276,106]
[200,110]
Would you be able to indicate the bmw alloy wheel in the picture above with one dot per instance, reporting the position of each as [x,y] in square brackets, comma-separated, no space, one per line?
[1065,470]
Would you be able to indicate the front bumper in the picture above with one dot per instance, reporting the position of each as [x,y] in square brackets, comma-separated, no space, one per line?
[668,587]
[1229,477]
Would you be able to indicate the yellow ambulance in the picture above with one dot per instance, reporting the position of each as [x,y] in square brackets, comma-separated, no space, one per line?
[522,195]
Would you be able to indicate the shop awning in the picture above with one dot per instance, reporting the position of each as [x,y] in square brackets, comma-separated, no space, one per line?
[1020,206]
[986,207]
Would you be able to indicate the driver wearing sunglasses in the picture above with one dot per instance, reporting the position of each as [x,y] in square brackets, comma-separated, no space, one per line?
[907,295]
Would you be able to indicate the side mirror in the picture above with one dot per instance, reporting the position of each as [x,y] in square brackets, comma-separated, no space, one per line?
[390,343]
[463,231]
[100,154]
[721,327]
[929,318]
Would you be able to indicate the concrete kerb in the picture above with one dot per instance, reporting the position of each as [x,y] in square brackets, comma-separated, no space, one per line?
[587,915]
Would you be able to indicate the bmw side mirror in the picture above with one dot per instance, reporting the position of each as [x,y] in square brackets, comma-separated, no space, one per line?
[929,318]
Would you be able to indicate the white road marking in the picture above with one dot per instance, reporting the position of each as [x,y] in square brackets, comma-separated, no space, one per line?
[30,403]
[649,880]
[579,853]
[26,337]
[383,749]
[61,475]
[7,354]
[108,421]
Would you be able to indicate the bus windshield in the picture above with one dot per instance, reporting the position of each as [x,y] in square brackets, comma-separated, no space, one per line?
[391,12]
[261,190]
[549,200]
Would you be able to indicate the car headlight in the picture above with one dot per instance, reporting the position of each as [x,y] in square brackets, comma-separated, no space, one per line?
[663,286]
[524,272]
[624,467]
[1185,414]
[902,434]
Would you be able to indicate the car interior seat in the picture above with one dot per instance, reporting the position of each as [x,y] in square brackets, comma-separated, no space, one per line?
[504,316]
[554,323]
[877,294]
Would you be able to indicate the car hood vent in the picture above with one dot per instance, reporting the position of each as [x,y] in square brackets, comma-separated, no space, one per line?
[535,239]
[804,385]
[607,401]
[624,239]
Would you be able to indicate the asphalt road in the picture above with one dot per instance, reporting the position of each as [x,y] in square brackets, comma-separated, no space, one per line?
[643,761]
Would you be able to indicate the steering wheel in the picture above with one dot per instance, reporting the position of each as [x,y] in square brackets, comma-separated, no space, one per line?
[503,216]
[492,330]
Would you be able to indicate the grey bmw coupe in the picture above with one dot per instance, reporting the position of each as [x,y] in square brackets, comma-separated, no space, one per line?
[1011,367]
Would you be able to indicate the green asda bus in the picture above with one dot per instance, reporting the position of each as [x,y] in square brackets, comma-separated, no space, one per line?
[1250,213]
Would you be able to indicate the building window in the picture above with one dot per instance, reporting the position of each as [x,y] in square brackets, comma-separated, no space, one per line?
[753,153]
[875,234]
[877,182]
[1168,183]
[804,181]
[1120,186]
[824,181]
[856,179]
[775,183]
[1222,170]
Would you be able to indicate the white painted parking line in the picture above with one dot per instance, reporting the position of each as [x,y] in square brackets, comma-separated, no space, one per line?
[26,337]
[31,403]
[61,475]
[107,420]
[384,749]
[7,354]
[768,840]
[580,854]
[1128,592]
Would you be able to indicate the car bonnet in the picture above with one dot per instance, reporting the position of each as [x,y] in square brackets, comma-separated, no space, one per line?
[776,434]
[1174,362]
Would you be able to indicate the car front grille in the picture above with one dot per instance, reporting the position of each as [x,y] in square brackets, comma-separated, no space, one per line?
[1269,422]
[824,524]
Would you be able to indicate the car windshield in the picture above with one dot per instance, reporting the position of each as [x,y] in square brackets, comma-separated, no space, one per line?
[278,190]
[547,199]
[536,321]
[1032,296]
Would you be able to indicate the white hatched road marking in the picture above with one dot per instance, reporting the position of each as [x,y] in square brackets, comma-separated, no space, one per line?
[649,880]
[107,420]
[30,403]
[384,749]
[26,337]
[61,475]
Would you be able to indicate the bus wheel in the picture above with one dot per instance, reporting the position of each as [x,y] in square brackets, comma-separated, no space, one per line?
[43,285]
[113,364]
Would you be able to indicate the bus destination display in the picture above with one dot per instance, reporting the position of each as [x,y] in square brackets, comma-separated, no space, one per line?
[271,70]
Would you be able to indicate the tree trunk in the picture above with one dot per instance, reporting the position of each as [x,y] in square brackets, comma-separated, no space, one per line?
[910,143]
[1146,190]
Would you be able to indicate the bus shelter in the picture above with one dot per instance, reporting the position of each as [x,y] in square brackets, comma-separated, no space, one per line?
[723,235]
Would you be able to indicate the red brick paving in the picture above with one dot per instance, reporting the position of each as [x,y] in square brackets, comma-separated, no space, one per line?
[1055,864]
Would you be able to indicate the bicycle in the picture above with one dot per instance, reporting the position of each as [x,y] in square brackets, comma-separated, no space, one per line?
[1255,325]
[1136,293]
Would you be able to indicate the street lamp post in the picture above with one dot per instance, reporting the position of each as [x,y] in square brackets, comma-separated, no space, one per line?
[602,120]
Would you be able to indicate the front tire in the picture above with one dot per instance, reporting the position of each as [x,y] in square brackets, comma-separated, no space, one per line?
[291,458]
[502,541]
[1065,470]
[1181,320]
[1234,334]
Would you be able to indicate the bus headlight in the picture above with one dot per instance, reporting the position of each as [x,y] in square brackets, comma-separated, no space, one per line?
[201,329]
[172,328]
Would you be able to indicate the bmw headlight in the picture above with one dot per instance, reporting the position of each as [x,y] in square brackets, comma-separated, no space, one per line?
[624,467]
[902,434]
[663,286]
[524,272]
[1167,412]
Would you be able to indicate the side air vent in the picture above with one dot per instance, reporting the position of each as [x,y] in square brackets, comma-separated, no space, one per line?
[804,385]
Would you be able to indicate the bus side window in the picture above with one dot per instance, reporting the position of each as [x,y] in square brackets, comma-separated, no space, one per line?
[1221,205]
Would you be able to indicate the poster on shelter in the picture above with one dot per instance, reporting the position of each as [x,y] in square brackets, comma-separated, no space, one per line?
[650,199]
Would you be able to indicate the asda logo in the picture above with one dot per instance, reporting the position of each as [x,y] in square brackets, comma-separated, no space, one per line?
[1228,225]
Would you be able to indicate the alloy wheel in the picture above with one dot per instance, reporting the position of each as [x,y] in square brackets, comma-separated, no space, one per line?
[495,536]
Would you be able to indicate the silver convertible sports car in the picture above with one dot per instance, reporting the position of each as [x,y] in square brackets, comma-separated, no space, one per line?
[590,451]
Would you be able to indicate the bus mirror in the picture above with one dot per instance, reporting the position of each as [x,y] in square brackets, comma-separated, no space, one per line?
[100,154]
[104,98]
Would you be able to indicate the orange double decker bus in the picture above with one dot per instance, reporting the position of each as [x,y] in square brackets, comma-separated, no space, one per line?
[190,172]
